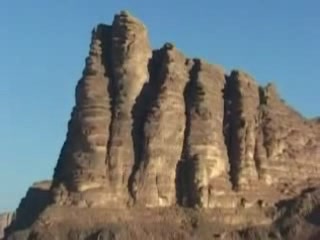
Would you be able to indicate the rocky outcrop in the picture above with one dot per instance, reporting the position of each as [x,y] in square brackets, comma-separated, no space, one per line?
[242,121]
[163,132]
[291,144]
[129,59]
[205,153]
[38,197]
[99,154]
[156,129]
[5,221]
[154,132]
[82,163]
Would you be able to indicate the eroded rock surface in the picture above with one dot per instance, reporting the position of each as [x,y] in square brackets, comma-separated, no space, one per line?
[242,120]
[160,129]
[155,132]
[82,163]
[291,144]
[129,59]
[163,132]
[205,152]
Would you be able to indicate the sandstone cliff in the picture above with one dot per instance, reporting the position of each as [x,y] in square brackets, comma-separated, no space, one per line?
[154,130]
[157,128]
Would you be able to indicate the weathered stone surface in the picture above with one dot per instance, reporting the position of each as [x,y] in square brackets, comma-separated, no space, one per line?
[81,166]
[169,132]
[161,129]
[5,220]
[205,152]
[242,123]
[164,132]
[130,57]
[291,142]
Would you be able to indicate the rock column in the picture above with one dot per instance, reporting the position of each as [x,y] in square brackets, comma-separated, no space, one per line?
[164,132]
[205,147]
[81,166]
[130,57]
[242,121]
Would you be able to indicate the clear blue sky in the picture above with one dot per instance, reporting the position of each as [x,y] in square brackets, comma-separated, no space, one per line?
[44,43]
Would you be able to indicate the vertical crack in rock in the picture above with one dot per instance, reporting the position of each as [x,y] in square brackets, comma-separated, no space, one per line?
[207,154]
[152,91]
[227,130]
[163,132]
[260,155]
[139,115]
[81,165]
[107,61]
[243,104]
[183,170]
[130,56]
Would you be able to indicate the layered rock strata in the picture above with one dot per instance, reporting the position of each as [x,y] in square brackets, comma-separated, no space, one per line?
[289,140]
[82,163]
[205,152]
[163,132]
[155,128]
[242,120]
[153,132]
[130,54]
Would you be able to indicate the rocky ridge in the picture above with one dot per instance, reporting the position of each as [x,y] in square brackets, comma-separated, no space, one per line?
[154,129]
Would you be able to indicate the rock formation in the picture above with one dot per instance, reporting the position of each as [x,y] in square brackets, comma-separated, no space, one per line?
[163,132]
[129,59]
[5,221]
[242,120]
[158,135]
[205,152]
[82,163]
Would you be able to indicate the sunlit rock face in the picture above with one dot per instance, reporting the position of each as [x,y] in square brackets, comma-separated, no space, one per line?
[81,166]
[130,57]
[164,146]
[163,130]
[205,153]
[155,128]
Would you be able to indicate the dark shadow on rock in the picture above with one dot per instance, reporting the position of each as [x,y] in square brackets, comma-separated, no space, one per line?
[185,171]
[314,217]
[181,183]
[139,114]
[110,232]
[31,206]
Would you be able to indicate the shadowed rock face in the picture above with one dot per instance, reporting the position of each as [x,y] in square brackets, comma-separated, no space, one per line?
[242,120]
[29,209]
[5,221]
[154,129]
